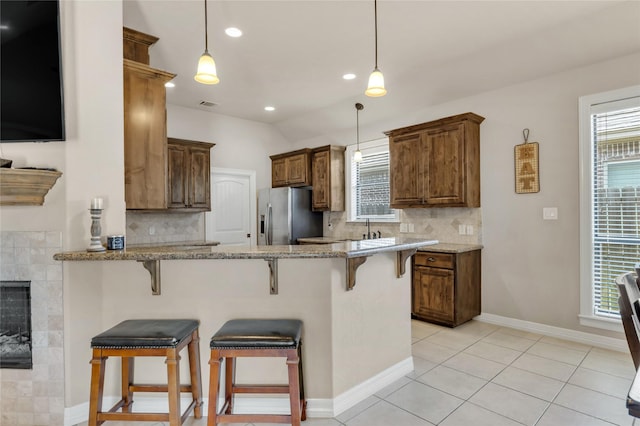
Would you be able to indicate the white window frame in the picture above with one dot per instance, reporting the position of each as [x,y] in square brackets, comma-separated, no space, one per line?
[587,106]
[370,147]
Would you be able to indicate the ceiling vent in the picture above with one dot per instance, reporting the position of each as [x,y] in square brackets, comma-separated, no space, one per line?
[207,104]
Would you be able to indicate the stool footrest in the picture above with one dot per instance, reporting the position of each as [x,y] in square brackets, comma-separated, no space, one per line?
[156,388]
[145,417]
[250,418]
[260,389]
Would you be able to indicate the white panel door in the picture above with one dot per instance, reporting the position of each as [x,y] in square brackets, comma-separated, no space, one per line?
[232,205]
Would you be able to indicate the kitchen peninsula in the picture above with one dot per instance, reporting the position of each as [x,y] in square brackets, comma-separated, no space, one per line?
[355,342]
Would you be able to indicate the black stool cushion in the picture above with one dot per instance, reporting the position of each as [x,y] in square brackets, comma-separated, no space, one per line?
[146,333]
[258,333]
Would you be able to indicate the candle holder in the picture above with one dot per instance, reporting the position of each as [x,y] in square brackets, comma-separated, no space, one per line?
[96,230]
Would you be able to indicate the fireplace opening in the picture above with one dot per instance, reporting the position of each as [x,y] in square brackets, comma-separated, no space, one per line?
[15,325]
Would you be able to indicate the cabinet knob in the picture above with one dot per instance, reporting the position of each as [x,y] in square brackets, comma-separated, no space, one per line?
[431,259]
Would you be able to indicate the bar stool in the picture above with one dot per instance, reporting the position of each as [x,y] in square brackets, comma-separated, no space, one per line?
[256,338]
[153,337]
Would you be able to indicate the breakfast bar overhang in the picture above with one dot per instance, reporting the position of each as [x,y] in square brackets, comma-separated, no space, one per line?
[355,342]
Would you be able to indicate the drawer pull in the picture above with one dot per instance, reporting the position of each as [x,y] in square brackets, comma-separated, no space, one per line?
[431,259]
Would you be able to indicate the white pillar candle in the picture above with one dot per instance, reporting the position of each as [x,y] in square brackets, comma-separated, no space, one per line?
[96,204]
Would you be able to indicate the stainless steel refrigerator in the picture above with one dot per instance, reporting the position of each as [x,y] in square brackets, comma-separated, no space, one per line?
[284,215]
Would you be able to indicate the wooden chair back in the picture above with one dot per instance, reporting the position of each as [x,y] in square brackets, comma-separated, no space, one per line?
[629,303]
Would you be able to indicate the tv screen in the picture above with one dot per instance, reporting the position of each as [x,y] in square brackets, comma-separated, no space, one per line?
[31,108]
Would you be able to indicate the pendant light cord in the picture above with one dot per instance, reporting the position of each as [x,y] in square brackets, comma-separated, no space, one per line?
[358,128]
[206,33]
[375,15]
[358,106]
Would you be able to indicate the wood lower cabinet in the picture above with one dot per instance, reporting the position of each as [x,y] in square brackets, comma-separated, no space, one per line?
[446,287]
[291,169]
[436,164]
[189,171]
[327,171]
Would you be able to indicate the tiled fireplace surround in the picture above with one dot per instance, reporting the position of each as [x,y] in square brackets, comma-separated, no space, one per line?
[35,397]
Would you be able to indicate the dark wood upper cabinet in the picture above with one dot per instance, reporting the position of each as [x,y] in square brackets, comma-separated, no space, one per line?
[157,175]
[189,171]
[436,164]
[327,170]
[291,168]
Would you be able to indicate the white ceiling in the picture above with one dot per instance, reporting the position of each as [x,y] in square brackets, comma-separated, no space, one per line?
[293,53]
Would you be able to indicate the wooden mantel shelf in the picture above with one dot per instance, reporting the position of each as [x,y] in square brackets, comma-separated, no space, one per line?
[26,187]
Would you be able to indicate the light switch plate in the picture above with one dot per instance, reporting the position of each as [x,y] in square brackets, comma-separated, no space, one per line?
[411,227]
[403,227]
[550,213]
[462,229]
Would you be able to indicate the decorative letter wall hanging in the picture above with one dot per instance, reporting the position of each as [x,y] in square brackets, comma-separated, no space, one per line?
[526,166]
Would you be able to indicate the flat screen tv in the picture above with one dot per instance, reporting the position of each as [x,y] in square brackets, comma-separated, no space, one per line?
[31,72]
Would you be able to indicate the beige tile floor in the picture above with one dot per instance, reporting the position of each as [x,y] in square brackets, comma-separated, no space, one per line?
[480,374]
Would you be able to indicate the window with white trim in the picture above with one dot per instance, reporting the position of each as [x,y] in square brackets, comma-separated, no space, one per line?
[610,200]
[368,183]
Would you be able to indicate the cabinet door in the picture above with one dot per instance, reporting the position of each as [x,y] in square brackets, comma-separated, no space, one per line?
[297,170]
[145,140]
[177,175]
[406,175]
[321,177]
[445,170]
[278,172]
[433,294]
[199,179]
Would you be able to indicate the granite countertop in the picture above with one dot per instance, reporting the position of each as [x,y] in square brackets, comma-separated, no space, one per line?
[322,240]
[451,248]
[176,243]
[346,249]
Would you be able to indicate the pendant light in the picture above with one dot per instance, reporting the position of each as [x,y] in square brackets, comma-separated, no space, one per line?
[376,79]
[206,65]
[357,156]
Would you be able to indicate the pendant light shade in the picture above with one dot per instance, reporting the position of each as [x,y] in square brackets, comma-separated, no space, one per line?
[357,156]
[206,73]
[376,84]
[375,87]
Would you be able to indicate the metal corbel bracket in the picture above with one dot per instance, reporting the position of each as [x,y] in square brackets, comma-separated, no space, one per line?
[153,266]
[352,265]
[401,260]
[273,275]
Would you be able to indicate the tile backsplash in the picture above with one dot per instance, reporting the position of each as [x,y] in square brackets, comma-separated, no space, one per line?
[145,228]
[442,224]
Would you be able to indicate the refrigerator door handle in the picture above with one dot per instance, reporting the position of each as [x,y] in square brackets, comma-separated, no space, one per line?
[269,225]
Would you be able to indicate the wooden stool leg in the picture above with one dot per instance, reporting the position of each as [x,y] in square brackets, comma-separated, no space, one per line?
[194,371]
[293,362]
[214,386]
[97,386]
[303,400]
[125,383]
[229,382]
[173,386]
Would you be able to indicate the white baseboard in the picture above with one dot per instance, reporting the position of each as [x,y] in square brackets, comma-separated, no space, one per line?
[316,407]
[560,333]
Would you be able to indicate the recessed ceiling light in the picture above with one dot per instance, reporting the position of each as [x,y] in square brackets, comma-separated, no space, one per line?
[269,108]
[233,32]
[349,76]
[169,84]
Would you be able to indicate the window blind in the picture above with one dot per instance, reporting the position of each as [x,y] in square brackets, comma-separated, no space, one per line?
[616,201]
[370,186]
